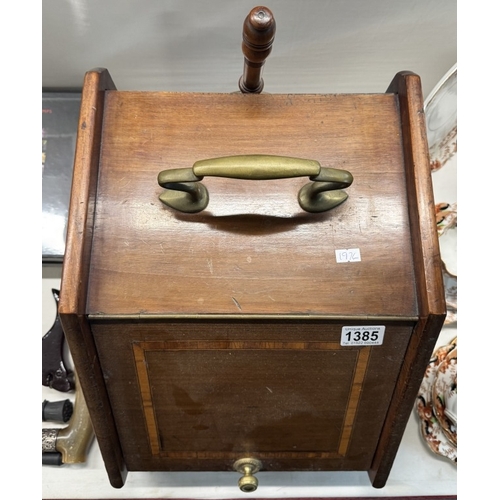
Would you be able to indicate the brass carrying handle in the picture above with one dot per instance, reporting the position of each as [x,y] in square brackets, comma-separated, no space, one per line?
[185,192]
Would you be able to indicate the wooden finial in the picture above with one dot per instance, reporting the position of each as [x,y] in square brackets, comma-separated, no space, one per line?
[259,28]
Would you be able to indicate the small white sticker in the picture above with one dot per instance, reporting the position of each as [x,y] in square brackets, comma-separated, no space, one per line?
[362,335]
[348,255]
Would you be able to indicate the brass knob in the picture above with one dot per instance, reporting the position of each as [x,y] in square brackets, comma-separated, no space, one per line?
[248,467]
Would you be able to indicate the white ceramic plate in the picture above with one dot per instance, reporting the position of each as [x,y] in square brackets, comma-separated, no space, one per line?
[441,116]
[441,119]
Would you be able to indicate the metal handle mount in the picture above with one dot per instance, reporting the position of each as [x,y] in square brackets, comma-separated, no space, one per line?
[185,192]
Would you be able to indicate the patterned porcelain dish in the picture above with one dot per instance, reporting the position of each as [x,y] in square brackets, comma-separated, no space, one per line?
[450,291]
[441,115]
[445,383]
[441,120]
[450,406]
[430,427]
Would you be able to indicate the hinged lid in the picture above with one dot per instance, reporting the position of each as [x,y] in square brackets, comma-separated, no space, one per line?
[253,251]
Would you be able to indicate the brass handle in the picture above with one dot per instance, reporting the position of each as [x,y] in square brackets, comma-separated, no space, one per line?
[185,193]
[248,467]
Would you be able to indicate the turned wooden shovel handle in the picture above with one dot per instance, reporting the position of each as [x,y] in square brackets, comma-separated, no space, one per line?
[259,28]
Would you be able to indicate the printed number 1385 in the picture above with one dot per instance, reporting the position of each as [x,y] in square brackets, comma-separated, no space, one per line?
[362,335]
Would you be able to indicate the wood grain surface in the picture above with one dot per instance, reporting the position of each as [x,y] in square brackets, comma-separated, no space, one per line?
[198,395]
[253,251]
[203,338]
[75,280]
[428,270]
[259,28]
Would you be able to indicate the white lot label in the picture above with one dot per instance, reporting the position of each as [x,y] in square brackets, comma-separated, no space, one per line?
[362,335]
[348,255]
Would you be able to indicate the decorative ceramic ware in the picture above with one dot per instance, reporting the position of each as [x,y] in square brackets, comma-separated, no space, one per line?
[430,427]
[441,120]
[441,115]
[450,291]
[445,383]
[450,399]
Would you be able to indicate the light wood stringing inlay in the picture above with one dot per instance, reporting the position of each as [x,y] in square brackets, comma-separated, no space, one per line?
[140,349]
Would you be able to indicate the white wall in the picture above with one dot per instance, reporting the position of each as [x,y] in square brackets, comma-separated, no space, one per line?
[321,46]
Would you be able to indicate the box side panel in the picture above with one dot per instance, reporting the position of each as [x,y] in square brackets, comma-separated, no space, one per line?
[428,271]
[74,282]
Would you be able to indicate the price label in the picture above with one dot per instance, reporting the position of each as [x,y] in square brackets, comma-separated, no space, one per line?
[348,255]
[362,335]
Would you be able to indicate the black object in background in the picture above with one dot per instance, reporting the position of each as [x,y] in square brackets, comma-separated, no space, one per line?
[60,112]
[57,411]
[54,372]
[51,458]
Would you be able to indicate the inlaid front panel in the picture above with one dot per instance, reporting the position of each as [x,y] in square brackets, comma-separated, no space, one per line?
[231,397]
[287,394]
